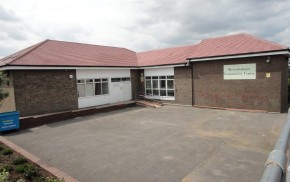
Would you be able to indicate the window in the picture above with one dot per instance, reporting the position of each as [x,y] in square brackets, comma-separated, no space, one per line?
[81,88]
[115,79]
[124,79]
[159,86]
[93,87]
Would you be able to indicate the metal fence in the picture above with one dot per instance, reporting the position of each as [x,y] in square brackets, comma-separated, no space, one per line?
[277,166]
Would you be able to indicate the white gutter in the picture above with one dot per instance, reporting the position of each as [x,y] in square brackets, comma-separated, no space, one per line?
[59,68]
[165,66]
[79,68]
[241,56]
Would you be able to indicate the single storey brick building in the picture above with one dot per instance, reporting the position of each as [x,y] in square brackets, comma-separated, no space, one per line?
[236,71]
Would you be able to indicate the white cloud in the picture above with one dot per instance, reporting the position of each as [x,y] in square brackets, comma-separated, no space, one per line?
[138,24]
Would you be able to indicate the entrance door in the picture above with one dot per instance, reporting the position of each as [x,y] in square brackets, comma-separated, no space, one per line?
[121,91]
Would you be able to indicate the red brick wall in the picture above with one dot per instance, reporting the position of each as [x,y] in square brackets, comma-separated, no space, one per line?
[44,91]
[210,89]
[183,85]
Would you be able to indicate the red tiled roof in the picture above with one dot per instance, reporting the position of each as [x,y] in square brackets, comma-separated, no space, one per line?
[176,55]
[59,53]
[234,45]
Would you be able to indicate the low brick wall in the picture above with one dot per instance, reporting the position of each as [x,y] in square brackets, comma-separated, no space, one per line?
[33,121]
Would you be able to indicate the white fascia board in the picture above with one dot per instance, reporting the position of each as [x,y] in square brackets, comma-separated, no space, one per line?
[59,68]
[241,56]
[165,66]
[79,68]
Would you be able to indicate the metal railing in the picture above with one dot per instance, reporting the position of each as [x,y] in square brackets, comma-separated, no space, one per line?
[275,167]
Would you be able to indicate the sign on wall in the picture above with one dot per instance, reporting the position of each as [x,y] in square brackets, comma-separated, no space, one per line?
[240,71]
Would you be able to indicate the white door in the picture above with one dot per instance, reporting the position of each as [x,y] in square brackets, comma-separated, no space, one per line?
[127,90]
[117,92]
[121,91]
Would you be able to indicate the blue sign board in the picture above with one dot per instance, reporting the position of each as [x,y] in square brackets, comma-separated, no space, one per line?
[9,121]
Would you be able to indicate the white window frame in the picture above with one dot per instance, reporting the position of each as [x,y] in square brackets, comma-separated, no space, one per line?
[166,89]
[94,82]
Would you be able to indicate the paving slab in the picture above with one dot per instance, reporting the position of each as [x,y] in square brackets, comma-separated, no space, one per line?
[167,144]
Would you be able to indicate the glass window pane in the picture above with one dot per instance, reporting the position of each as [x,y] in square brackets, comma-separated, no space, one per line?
[81,81]
[98,89]
[162,83]
[170,93]
[162,77]
[155,92]
[148,77]
[126,79]
[170,84]
[148,92]
[97,80]
[148,84]
[89,80]
[105,88]
[89,89]
[81,90]
[104,79]
[162,92]
[155,83]
[170,77]
[115,79]
[154,77]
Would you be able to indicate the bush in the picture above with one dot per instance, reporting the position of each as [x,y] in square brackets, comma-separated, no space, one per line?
[7,152]
[7,168]
[20,168]
[4,175]
[30,172]
[39,179]
[1,147]
[19,160]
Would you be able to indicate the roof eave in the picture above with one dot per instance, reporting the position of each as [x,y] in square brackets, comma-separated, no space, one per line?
[60,67]
[234,56]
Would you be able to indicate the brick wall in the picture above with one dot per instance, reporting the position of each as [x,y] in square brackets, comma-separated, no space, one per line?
[210,89]
[44,91]
[183,85]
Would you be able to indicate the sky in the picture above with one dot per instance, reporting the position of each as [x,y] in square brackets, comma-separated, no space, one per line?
[139,25]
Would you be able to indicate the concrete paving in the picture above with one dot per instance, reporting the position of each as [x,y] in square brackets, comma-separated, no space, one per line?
[167,144]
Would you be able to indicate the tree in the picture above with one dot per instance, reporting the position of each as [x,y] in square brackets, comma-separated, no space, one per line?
[3,81]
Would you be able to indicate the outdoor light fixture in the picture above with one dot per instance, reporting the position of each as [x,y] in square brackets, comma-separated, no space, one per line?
[268,59]
[71,76]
